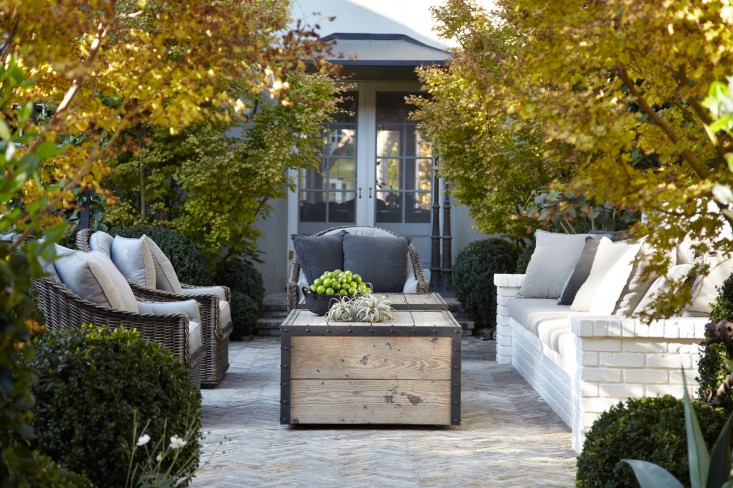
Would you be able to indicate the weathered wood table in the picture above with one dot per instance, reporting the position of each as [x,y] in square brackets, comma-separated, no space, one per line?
[406,371]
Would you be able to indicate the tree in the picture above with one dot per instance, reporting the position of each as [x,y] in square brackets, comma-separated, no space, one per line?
[623,83]
[105,66]
[213,181]
[493,165]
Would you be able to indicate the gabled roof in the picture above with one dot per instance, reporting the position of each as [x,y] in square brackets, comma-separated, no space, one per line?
[363,49]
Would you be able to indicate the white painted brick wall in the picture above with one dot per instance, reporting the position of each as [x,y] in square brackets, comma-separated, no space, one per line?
[616,358]
[507,287]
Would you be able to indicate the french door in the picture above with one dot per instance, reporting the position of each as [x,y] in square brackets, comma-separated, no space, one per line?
[376,169]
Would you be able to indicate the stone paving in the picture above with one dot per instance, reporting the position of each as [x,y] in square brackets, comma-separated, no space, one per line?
[508,436]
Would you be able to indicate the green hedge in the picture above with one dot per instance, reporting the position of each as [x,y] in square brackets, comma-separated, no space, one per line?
[473,277]
[649,429]
[93,385]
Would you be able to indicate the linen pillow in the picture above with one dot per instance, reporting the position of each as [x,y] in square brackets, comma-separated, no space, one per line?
[102,242]
[580,272]
[705,289]
[637,286]
[552,262]
[134,260]
[380,260]
[318,254]
[675,273]
[94,277]
[165,276]
[608,276]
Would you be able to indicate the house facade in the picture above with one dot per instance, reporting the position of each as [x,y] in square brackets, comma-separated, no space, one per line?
[377,169]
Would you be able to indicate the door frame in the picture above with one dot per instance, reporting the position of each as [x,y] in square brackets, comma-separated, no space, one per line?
[366,151]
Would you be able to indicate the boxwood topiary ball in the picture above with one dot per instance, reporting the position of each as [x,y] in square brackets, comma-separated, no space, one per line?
[649,429]
[94,384]
[473,277]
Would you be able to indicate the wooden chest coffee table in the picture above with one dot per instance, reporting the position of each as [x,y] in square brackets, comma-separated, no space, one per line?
[406,371]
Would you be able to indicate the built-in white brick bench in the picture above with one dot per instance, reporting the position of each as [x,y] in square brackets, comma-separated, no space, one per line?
[581,364]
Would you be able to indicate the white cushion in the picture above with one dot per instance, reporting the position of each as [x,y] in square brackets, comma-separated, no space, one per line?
[134,260]
[610,271]
[706,288]
[637,285]
[553,260]
[94,277]
[225,313]
[675,273]
[206,290]
[102,242]
[165,275]
[187,307]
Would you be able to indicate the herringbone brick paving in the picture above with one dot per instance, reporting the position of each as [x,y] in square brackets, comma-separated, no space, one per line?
[508,436]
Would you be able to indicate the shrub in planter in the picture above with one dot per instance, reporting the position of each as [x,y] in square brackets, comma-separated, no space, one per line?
[649,429]
[187,259]
[473,277]
[96,385]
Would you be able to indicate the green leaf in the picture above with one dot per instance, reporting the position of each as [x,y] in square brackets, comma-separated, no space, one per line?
[46,150]
[697,451]
[721,124]
[4,130]
[720,458]
[650,475]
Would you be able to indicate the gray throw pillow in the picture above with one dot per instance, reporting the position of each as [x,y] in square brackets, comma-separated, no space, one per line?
[381,261]
[581,271]
[318,254]
[134,260]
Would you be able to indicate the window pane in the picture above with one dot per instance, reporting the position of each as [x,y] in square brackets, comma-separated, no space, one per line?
[388,174]
[389,206]
[341,208]
[388,141]
[417,207]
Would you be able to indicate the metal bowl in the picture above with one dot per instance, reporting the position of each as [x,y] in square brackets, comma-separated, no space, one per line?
[318,304]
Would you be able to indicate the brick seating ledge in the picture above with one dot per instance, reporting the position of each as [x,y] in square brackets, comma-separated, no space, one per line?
[582,365]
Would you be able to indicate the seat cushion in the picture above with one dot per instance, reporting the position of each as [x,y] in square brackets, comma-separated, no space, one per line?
[165,276]
[531,311]
[94,277]
[134,260]
[186,307]
[380,260]
[318,254]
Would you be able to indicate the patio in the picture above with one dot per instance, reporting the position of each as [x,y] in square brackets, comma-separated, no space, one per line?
[508,435]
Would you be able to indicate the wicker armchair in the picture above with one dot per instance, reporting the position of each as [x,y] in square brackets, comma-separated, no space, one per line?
[216,335]
[294,294]
[63,309]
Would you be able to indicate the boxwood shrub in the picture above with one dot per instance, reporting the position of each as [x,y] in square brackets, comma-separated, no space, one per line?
[473,277]
[93,385]
[248,291]
[187,259]
[650,429]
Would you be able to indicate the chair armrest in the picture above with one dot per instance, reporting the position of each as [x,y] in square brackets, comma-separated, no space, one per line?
[64,309]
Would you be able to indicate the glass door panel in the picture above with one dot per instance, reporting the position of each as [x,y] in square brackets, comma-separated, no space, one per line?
[326,195]
[404,164]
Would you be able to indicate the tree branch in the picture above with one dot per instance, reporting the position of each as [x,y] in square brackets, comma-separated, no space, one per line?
[705,117]
[697,166]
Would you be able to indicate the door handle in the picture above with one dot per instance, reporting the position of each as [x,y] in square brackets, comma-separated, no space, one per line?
[370,192]
[359,192]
